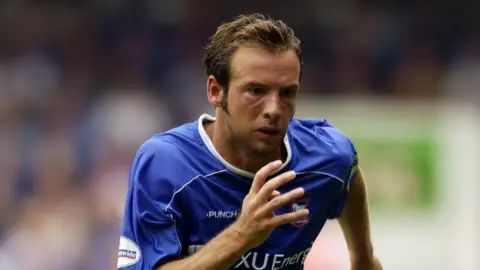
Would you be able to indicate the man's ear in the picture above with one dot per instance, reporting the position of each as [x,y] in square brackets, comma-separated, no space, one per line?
[215,92]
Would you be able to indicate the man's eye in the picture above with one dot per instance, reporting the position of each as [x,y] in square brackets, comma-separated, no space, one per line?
[289,93]
[257,90]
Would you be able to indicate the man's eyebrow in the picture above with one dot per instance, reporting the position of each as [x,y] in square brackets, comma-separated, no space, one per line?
[255,83]
[293,86]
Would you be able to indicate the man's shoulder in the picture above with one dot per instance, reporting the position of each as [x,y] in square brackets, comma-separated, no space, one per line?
[169,154]
[315,130]
[172,142]
[318,137]
[317,141]
[176,155]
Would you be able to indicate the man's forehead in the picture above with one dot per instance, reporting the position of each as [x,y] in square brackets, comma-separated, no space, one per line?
[255,62]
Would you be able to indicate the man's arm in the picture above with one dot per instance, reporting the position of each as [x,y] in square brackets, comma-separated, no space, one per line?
[355,223]
[220,253]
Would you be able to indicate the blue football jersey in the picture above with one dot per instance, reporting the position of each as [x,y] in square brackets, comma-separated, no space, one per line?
[182,193]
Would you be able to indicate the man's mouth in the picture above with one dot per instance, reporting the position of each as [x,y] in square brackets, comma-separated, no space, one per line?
[269,131]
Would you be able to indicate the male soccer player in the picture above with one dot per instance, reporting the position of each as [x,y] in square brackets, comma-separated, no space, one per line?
[252,187]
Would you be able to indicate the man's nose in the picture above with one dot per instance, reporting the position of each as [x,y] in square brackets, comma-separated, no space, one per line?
[273,107]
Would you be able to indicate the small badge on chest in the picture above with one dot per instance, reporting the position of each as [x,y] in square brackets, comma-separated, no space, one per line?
[299,205]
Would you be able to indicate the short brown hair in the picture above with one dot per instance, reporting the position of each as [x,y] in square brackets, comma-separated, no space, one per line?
[256,29]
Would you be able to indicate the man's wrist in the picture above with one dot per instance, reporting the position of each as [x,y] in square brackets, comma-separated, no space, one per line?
[361,257]
[238,236]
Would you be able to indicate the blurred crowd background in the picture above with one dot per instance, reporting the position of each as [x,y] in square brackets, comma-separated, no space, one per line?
[83,83]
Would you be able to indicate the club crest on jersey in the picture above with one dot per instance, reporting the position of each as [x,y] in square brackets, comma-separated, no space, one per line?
[299,205]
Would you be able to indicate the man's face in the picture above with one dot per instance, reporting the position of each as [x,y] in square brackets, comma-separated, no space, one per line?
[261,97]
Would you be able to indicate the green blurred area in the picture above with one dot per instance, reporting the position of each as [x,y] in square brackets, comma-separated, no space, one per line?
[401,173]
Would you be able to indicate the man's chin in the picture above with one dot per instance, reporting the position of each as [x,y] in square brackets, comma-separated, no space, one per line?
[266,148]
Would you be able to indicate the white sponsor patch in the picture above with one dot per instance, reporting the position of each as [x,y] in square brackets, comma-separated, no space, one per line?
[128,253]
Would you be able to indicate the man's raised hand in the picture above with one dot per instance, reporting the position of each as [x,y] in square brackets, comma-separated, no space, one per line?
[257,219]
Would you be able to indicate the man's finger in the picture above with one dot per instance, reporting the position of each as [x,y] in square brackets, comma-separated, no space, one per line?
[274,194]
[262,174]
[274,184]
[289,218]
[282,200]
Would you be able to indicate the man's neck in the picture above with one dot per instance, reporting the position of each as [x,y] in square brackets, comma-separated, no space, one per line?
[237,155]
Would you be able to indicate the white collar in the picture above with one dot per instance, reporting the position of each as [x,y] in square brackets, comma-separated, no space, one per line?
[206,140]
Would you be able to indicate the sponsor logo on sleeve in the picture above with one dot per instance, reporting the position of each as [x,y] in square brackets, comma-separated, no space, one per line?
[128,253]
